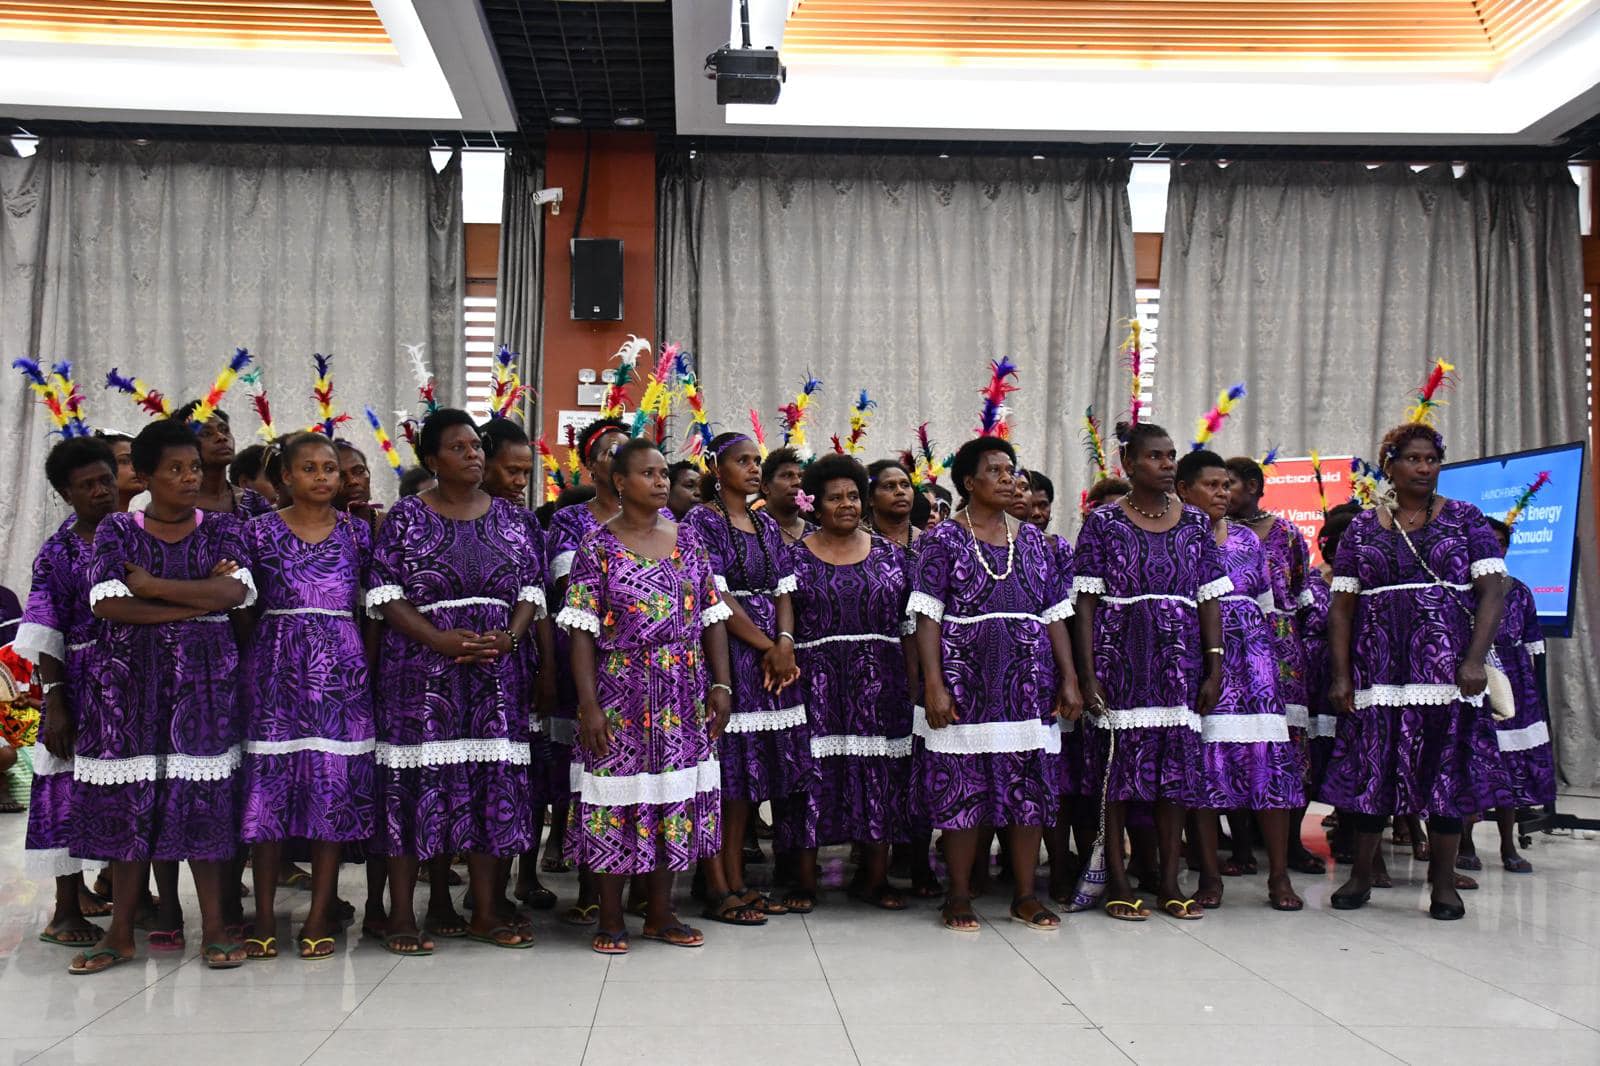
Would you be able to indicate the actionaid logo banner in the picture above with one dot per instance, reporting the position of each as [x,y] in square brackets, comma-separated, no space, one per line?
[1292,493]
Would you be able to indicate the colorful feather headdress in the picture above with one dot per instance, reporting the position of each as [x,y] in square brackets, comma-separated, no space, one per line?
[860,415]
[506,399]
[150,401]
[758,433]
[655,406]
[1364,478]
[386,445]
[1133,357]
[1094,443]
[551,468]
[794,415]
[627,358]
[1316,475]
[251,380]
[992,415]
[700,436]
[1440,377]
[59,394]
[1208,424]
[219,388]
[423,374]
[1526,497]
[574,459]
[926,467]
[322,392]
[1269,460]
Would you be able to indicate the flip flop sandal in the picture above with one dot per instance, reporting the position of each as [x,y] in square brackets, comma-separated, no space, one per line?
[269,948]
[1469,862]
[549,865]
[92,906]
[605,943]
[225,950]
[1422,852]
[11,807]
[453,930]
[392,941]
[930,889]
[729,913]
[1182,910]
[1135,910]
[1309,864]
[1040,922]
[239,930]
[494,938]
[885,897]
[311,947]
[83,969]
[765,904]
[92,934]
[539,899]
[1518,865]
[800,901]
[1235,868]
[949,919]
[662,935]
[297,880]
[1209,899]
[165,939]
[1286,903]
[581,915]
[1463,883]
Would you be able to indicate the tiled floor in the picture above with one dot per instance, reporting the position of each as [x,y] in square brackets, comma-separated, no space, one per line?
[1517,981]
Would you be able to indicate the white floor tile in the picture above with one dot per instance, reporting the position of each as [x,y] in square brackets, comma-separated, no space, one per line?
[1172,1000]
[934,994]
[287,1048]
[1019,1041]
[695,1045]
[1460,1046]
[536,1047]
[1150,1044]
[168,1008]
[15,1051]
[738,1004]
[530,1000]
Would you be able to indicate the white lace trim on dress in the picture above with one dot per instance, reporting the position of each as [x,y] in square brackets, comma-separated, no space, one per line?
[1307,599]
[788,584]
[82,644]
[243,576]
[1091,586]
[107,590]
[329,612]
[1487,566]
[721,583]
[1150,718]
[1345,584]
[47,765]
[766,721]
[669,786]
[34,641]
[465,601]
[1412,696]
[42,864]
[1298,715]
[848,638]
[908,626]
[1325,725]
[1059,613]
[1536,735]
[382,594]
[987,738]
[1410,586]
[717,612]
[452,752]
[561,565]
[825,747]
[156,768]
[574,618]
[535,595]
[1535,647]
[1244,729]
[1123,601]
[324,745]
[924,604]
[1212,589]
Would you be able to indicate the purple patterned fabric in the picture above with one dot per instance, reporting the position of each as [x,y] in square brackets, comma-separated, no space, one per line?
[308,752]
[1077,775]
[653,802]
[549,762]
[158,749]
[1288,563]
[251,504]
[452,739]
[568,528]
[849,626]
[1319,672]
[1413,745]
[766,750]
[1249,760]
[1147,648]
[999,763]
[1524,739]
[57,622]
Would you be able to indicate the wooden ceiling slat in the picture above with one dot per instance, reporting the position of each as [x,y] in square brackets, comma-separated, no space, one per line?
[313,24]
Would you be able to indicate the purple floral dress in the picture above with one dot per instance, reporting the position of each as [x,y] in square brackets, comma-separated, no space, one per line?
[308,750]
[1250,761]
[452,747]
[766,750]
[1288,563]
[999,763]
[1414,745]
[850,627]
[251,504]
[1524,739]
[1147,648]
[1319,672]
[57,622]
[567,530]
[653,802]
[159,748]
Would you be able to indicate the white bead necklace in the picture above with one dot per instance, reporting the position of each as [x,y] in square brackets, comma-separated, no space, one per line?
[977,546]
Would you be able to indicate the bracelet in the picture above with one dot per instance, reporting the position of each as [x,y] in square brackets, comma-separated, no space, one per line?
[726,688]
[50,686]
[513,638]
[784,633]
[1215,651]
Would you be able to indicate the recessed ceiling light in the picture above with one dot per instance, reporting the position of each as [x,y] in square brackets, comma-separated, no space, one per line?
[565,118]
[944,155]
[628,121]
[1038,157]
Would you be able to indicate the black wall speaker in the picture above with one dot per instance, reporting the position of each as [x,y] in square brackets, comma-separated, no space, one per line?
[597,279]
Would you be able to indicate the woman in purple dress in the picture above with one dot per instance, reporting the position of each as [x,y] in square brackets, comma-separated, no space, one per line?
[766,748]
[856,655]
[158,748]
[508,470]
[218,495]
[595,444]
[997,675]
[1417,592]
[454,580]
[57,635]
[1149,639]
[647,640]
[1250,763]
[308,751]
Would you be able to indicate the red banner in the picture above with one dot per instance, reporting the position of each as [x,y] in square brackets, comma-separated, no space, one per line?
[1292,493]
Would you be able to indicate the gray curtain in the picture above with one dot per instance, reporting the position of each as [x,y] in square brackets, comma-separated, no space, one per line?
[160,259]
[1331,288]
[519,311]
[903,276]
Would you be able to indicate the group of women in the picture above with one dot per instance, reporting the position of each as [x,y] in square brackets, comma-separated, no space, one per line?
[284,671]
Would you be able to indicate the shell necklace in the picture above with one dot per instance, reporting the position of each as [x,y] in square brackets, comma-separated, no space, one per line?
[977,547]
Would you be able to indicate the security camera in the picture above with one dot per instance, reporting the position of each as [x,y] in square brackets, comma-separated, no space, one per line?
[551,197]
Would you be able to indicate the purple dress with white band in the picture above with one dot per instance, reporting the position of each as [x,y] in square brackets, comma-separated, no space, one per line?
[57,622]
[1148,654]
[850,627]
[653,801]
[1414,745]
[1250,761]
[568,528]
[309,742]
[1524,739]
[251,504]
[998,764]
[452,738]
[1319,672]
[766,750]
[1288,562]
[159,747]
[1078,739]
